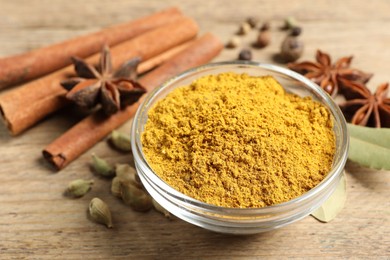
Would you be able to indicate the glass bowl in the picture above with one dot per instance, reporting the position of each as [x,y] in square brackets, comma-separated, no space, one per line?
[240,220]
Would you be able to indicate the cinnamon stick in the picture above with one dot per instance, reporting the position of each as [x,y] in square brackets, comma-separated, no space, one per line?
[159,59]
[22,67]
[95,127]
[26,105]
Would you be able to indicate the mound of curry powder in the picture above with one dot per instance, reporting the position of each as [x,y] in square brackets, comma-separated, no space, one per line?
[239,141]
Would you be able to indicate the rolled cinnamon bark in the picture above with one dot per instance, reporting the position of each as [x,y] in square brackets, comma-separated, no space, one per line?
[159,59]
[22,67]
[95,127]
[24,106]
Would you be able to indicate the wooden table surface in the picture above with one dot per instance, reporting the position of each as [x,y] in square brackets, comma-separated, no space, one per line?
[38,222]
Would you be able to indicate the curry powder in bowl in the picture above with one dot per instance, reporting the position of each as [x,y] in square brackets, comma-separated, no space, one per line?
[235,140]
[238,143]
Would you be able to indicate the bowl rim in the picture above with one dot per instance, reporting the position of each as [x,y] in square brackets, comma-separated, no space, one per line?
[334,173]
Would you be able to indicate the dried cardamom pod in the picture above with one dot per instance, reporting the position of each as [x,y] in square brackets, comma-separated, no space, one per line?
[78,188]
[135,197]
[99,212]
[120,141]
[102,167]
[124,174]
[116,187]
[160,209]
[128,173]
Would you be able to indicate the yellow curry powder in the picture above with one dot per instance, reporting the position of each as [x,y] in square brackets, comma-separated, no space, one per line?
[235,140]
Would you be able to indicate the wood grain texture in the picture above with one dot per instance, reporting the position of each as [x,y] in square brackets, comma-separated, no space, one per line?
[38,222]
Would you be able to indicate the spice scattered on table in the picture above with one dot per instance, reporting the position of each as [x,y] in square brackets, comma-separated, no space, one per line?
[100,212]
[296,31]
[120,141]
[233,42]
[266,26]
[127,173]
[327,74]
[244,28]
[245,54]
[116,187]
[124,174]
[264,37]
[160,209]
[113,90]
[127,186]
[292,47]
[101,166]
[252,21]
[136,198]
[78,188]
[289,23]
[235,140]
[364,108]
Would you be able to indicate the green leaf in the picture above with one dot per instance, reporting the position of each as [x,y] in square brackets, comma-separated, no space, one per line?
[370,146]
[334,204]
[379,136]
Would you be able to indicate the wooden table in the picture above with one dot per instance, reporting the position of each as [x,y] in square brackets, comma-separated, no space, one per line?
[38,222]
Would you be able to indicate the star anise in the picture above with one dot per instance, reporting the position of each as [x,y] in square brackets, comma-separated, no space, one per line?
[328,75]
[113,90]
[364,108]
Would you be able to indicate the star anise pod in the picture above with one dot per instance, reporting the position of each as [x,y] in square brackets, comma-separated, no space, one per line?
[113,90]
[328,75]
[364,108]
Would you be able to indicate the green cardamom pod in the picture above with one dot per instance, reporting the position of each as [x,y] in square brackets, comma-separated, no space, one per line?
[128,173]
[102,167]
[160,209]
[120,141]
[124,174]
[99,212]
[116,187]
[135,197]
[78,188]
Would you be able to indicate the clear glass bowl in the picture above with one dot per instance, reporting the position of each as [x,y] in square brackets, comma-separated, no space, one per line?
[239,220]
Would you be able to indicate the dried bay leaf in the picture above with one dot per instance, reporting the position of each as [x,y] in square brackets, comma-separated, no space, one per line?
[379,136]
[370,146]
[368,154]
[334,204]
